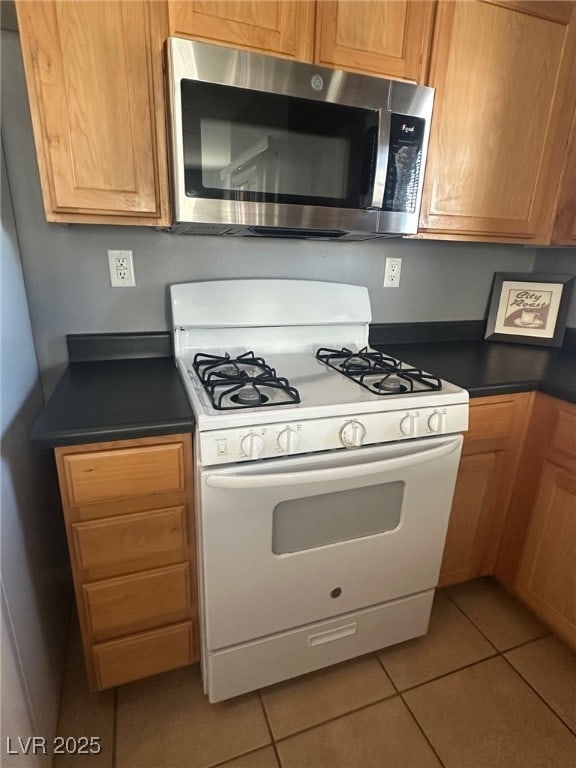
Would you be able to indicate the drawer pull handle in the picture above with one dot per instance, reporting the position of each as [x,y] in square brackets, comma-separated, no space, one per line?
[332,634]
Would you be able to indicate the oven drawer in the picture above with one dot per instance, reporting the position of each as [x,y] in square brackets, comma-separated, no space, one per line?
[148,653]
[140,601]
[269,660]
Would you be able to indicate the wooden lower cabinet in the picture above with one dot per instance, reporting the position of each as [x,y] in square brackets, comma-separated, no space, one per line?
[490,456]
[128,508]
[546,575]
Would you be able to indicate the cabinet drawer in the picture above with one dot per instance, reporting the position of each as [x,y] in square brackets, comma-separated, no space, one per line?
[148,653]
[490,421]
[140,601]
[124,473]
[126,541]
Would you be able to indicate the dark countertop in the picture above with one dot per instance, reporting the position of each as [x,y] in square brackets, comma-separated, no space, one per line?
[114,400]
[135,395]
[493,368]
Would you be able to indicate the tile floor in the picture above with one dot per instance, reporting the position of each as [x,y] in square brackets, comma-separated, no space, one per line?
[487,687]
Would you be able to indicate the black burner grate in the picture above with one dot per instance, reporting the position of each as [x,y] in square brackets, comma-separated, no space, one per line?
[378,373]
[244,381]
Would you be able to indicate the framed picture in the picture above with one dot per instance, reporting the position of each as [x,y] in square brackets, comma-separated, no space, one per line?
[529,308]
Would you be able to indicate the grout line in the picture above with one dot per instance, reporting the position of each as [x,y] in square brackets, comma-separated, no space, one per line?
[463,612]
[386,671]
[447,674]
[422,731]
[546,633]
[269,727]
[336,717]
[237,757]
[525,642]
[524,679]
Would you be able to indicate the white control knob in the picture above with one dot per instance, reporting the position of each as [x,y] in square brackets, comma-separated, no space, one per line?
[252,445]
[352,434]
[409,424]
[436,421]
[288,440]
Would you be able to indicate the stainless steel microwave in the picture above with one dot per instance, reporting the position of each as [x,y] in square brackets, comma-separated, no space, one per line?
[270,147]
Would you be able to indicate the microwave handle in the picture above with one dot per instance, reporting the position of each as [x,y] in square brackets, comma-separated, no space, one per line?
[381,164]
[333,473]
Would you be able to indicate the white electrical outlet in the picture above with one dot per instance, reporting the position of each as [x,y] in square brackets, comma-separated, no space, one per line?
[392,272]
[121,269]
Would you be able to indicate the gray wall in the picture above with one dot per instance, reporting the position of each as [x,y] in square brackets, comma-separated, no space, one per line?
[66,268]
[36,594]
[558,261]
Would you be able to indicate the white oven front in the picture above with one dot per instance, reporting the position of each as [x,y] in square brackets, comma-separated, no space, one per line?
[291,542]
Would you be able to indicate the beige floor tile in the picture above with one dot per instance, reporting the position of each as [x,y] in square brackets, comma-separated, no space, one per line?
[166,721]
[383,735]
[503,620]
[322,695]
[452,642]
[550,668]
[83,713]
[486,716]
[263,758]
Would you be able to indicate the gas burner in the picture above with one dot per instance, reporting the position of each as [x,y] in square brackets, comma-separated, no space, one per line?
[249,395]
[390,384]
[355,363]
[378,373]
[244,381]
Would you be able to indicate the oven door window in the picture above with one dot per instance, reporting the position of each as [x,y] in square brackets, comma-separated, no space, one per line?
[259,147]
[315,521]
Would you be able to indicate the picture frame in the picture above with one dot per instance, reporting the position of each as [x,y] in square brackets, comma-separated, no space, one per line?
[529,308]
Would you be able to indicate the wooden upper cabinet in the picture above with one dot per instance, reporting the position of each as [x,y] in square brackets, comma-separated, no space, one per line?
[389,38]
[94,76]
[505,81]
[564,232]
[279,27]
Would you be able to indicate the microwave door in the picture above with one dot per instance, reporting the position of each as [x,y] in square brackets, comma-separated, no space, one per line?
[380,161]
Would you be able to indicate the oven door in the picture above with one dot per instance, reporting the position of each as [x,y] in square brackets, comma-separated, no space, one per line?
[292,541]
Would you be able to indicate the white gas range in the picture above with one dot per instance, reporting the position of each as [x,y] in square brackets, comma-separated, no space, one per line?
[324,475]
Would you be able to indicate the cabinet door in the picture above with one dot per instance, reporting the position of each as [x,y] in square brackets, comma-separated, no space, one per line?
[504,79]
[280,27]
[383,38]
[94,76]
[470,518]
[490,456]
[547,576]
[565,224]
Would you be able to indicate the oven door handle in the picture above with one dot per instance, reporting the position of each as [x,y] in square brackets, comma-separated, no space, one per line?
[251,480]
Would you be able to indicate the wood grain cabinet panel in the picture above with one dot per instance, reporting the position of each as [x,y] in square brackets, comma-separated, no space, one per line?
[490,455]
[280,27]
[389,38]
[94,76]
[504,79]
[139,601]
[564,232]
[115,474]
[546,578]
[123,543]
[128,509]
[144,654]
[537,557]
[470,518]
